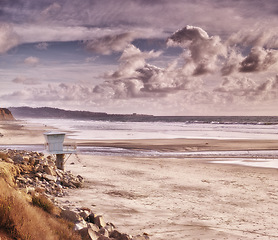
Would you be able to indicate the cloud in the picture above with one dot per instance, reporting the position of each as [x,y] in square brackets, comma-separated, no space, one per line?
[8,38]
[26,81]
[42,46]
[110,43]
[32,61]
[259,59]
[247,89]
[256,37]
[52,9]
[135,78]
[203,50]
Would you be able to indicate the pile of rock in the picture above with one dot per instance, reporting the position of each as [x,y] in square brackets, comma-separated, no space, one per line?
[93,227]
[39,173]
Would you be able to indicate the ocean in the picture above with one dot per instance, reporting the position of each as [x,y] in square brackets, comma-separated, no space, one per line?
[150,127]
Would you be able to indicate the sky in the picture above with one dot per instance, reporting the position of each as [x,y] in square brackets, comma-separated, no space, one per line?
[159,57]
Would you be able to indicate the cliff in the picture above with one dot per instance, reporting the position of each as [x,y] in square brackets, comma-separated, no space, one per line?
[5,114]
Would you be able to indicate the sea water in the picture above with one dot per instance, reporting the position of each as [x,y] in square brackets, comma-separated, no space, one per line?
[167,127]
[170,128]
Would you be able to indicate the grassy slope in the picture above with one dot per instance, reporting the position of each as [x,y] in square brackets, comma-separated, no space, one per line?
[20,219]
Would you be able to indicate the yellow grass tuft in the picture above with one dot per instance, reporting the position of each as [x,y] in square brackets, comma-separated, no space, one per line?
[19,219]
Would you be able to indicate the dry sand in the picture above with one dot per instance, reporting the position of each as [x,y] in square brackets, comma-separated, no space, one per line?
[173,198]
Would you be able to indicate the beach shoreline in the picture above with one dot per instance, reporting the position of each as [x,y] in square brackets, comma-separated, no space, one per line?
[171,198]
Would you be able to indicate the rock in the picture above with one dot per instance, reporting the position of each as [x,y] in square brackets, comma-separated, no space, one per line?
[22,180]
[88,234]
[84,214]
[104,232]
[48,170]
[70,216]
[141,237]
[9,160]
[49,177]
[5,114]
[18,158]
[103,238]
[109,227]
[79,225]
[91,218]
[40,189]
[38,174]
[99,221]
[119,236]
[94,227]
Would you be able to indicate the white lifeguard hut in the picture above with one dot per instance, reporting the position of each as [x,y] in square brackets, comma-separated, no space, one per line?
[54,144]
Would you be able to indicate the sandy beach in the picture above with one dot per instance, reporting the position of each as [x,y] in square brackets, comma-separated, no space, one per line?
[171,198]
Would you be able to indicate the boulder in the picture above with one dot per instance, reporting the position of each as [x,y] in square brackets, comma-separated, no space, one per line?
[88,234]
[80,225]
[94,227]
[70,216]
[99,221]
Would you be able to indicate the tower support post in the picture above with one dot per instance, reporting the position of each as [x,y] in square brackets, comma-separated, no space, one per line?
[60,161]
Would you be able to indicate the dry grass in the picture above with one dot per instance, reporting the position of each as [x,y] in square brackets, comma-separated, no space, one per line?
[19,219]
[3,156]
[8,171]
[43,202]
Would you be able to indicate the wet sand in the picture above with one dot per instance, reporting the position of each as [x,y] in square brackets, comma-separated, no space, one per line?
[172,198]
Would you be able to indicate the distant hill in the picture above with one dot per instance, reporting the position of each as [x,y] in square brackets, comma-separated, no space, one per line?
[47,112]
[5,114]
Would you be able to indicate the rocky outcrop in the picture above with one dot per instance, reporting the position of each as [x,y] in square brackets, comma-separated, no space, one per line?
[6,115]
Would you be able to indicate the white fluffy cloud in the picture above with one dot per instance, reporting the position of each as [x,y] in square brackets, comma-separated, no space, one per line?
[32,61]
[203,50]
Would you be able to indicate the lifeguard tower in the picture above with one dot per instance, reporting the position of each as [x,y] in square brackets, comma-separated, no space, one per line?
[55,145]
